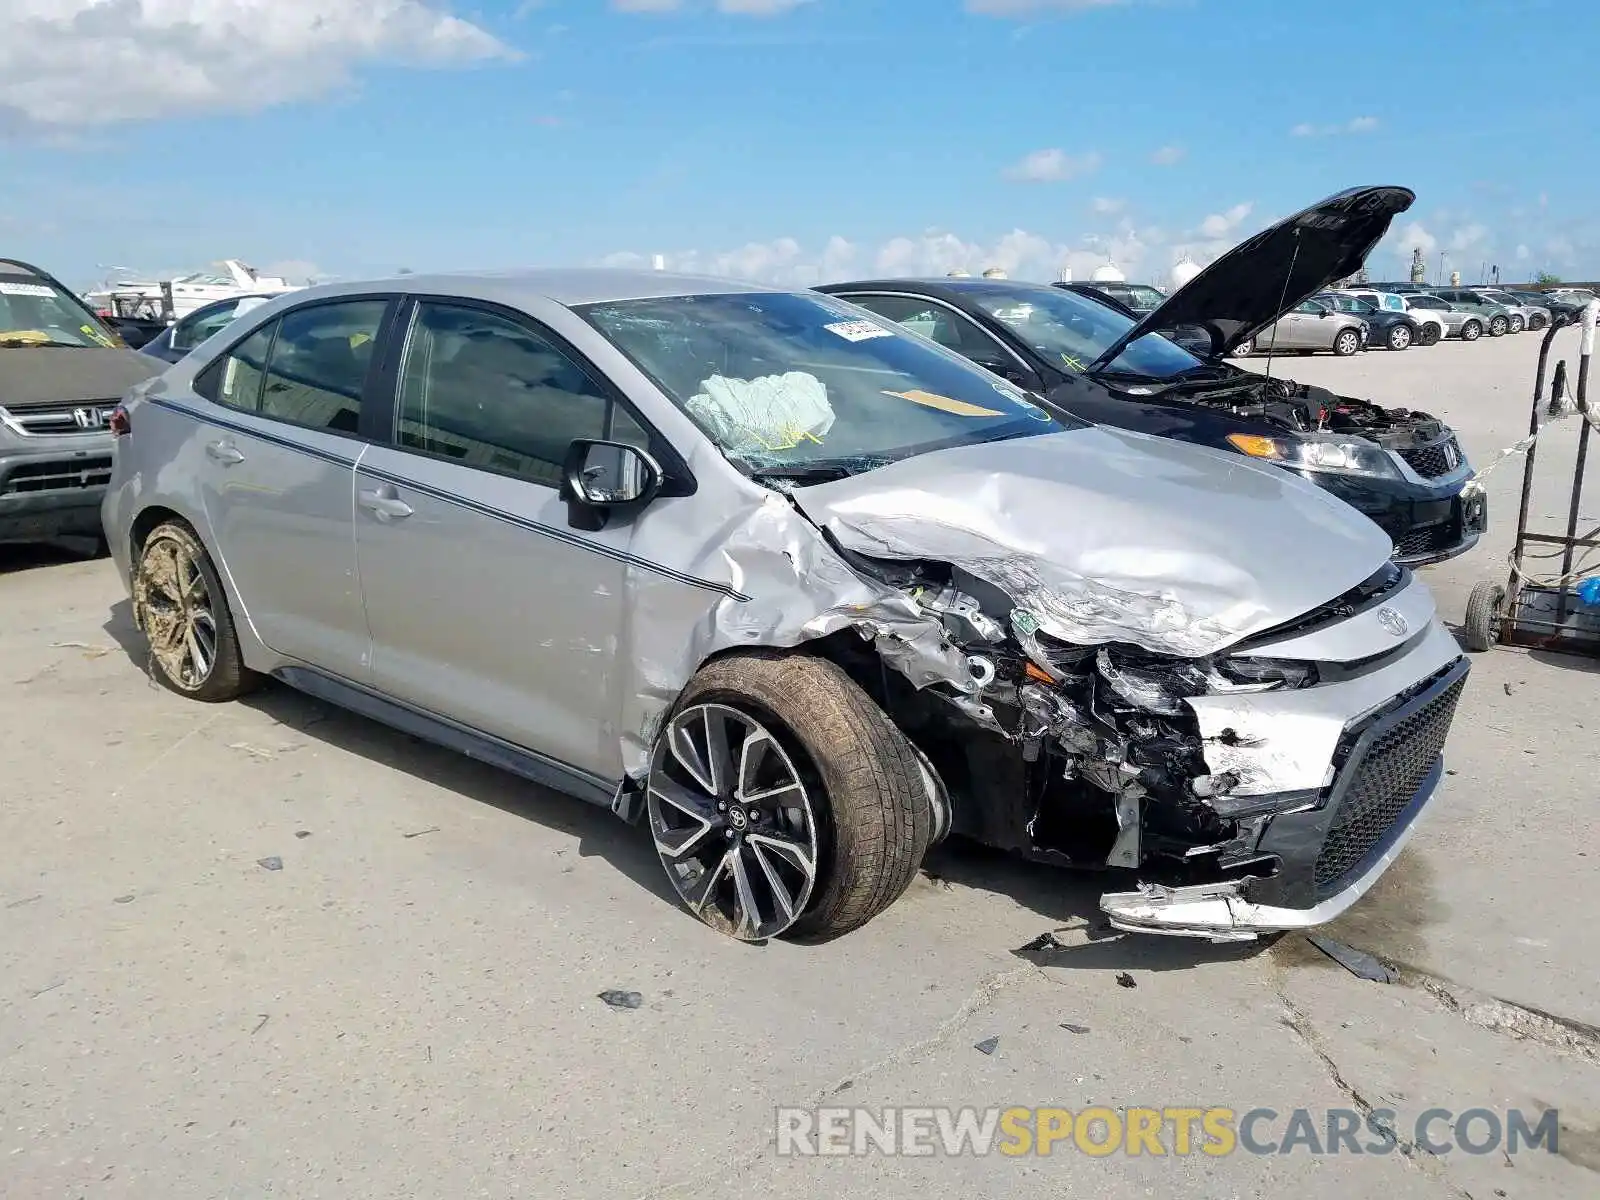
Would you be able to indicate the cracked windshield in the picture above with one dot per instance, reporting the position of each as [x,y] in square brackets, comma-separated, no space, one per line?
[790,384]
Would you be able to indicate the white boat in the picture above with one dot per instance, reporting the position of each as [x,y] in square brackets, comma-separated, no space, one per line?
[169,299]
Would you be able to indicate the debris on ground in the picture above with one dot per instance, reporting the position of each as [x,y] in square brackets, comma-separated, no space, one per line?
[89,651]
[1125,980]
[253,751]
[273,863]
[24,900]
[264,1019]
[302,833]
[420,832]
[988,1046]
[1040,944]
[128,899]
[1071,1028]
[1507,687]
[1358,962]
[619,999]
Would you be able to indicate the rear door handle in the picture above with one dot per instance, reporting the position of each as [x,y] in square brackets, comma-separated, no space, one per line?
[385,505]
[224,453]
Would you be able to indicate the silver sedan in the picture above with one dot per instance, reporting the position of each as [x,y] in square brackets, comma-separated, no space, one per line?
[1309,327]
[798,589]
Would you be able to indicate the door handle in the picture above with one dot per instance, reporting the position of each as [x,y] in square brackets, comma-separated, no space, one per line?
[224,453]
[385,505]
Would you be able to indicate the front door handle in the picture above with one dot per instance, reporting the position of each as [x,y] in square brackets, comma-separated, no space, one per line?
[224,453]
[385,505]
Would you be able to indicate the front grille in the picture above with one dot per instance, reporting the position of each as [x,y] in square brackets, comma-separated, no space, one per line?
[1385,780]
[1430,539]
[73,416]
[72,474]
[1432,461]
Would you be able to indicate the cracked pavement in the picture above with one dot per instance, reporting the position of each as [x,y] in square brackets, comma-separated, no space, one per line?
[408,1005]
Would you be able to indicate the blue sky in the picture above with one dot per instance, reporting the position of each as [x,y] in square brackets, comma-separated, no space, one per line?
[792,140]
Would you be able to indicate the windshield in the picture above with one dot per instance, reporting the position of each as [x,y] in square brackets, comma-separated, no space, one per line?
[1141,297]
[35,312]
[1427,302]
[1349,304]
[1073,330]
[801,383]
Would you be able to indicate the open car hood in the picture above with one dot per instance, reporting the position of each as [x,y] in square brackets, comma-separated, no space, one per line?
[1265,276]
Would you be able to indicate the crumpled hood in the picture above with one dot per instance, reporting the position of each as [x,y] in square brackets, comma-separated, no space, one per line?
[1265,276]
[1107,535]
[45,375]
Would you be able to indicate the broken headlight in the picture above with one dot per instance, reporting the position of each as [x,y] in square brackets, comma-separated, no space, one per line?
[1325,453]
[1154,686]
[1263,674]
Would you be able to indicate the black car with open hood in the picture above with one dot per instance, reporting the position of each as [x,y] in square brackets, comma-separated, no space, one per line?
[1098,360]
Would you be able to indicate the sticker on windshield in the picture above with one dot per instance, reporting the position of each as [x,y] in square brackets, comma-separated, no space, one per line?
[26,289]
[857,331]
[959,408]
[1074,363]
[1009,392]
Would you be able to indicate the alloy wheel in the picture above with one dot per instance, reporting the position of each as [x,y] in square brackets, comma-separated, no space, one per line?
[1347,343]
[1399,338]
[1516,324]
[733,822]
[1471,331]
[176,612]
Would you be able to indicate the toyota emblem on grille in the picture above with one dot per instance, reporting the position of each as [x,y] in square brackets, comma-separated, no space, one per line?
[1393,622]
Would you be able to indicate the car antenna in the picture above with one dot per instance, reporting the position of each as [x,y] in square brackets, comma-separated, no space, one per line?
[1287,276]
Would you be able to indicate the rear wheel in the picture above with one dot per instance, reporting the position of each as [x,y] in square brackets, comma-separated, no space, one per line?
[1471,331]
[1349,341]
[1536,323]
[179,604]
[1498,326]
[1430,335]
[1482,626]
[1517,323]
[783,801]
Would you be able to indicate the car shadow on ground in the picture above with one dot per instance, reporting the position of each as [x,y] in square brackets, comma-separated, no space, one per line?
[1065,902]
[16,558]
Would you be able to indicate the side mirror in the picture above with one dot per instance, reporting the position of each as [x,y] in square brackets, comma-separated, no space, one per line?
[1322,312]
[598,477]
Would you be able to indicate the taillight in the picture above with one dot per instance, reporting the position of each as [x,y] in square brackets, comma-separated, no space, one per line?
[118,423]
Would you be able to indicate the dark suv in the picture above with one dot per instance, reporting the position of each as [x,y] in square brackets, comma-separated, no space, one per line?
[61,374]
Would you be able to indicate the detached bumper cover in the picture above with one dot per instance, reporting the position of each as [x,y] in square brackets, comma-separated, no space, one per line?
[1330,855]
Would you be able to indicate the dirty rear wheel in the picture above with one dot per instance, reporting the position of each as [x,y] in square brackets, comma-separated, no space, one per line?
[179,604]
[783,801]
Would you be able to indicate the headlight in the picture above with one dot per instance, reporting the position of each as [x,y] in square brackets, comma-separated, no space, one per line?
[1334,455]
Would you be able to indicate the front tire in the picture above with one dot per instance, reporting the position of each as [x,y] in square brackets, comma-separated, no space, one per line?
[1430,336]
[1498,326]
[1517,323]
[1471,331]
[1245,348]
[179,604]
[1347,343]
[1399,338]
[784,802]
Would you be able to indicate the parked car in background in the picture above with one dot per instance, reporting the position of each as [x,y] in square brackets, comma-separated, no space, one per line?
[1535,316]
[187,332]
[794,587]
[1140,297]
[1463,321]
[1093,358]
[1501,318]
[1562,312]
[1578,296]
[1385,329]
[1307,328]
[1431,327]
[61,374]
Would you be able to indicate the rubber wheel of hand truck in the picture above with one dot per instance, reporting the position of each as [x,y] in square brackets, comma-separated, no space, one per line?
[1482,626]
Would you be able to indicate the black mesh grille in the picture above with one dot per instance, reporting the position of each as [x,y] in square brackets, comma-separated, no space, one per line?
[1427,540]
[66,475]
[1386,780]
[1432,461]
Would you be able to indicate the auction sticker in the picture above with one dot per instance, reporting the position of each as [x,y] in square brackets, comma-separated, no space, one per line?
[25,289]
[857,331]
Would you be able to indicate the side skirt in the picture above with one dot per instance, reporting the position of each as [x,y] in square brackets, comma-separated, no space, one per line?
[529,765]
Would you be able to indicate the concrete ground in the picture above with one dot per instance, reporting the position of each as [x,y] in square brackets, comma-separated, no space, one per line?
[408,1005]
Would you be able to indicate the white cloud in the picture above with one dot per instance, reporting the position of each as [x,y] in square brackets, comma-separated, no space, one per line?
[1468,237]
[1141,252]
[1107,206]
[80,62]
[1221,225]
[1168,155]
[1415,236]
[1523,253]
[1053,166]
[748,8]
[1353,125]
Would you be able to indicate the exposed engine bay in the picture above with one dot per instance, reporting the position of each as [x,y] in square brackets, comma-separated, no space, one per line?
[1304,408]
[1092,758]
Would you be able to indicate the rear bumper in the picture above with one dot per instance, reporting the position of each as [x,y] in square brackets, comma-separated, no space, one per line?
[49,493]
[1326,856]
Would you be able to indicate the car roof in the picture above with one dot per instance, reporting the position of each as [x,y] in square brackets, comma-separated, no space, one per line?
[941,284]
[12,266]
[567,286]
